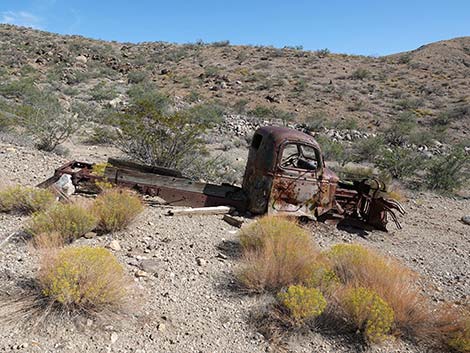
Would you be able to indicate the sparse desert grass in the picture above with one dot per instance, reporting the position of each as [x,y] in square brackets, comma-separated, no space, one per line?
[25,199]
[82,278]
[116,208]
[276,253]
[71,221]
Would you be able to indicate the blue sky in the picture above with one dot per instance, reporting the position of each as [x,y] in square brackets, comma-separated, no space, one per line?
[346,26]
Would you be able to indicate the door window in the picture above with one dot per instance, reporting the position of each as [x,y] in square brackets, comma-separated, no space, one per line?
[299,156]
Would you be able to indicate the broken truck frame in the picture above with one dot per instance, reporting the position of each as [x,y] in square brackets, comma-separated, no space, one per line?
[285,174]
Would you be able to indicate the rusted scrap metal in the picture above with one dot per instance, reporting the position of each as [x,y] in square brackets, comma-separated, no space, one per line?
[285,174]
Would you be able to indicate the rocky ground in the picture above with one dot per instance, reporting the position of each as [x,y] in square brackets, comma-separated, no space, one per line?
[183,271]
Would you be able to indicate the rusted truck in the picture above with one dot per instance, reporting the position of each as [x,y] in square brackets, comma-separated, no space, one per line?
[285,174]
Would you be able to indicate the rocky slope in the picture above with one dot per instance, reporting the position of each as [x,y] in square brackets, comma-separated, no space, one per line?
[287,83]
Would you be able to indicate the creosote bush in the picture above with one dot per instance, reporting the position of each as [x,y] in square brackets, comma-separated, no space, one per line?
[368,312]
[302,302]
[115,209]
[71,221]
[83,278]
[276,253]
[25,199]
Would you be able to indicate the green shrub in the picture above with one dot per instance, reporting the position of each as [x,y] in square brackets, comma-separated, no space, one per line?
[332,150]
[400,162]
[83,277]
[400,130]
[47,122]
[367,311]
[368,149]
[115,209]
[25,199]
[360,74]
[448,172]
[70,220]
[303,303]
[156,138]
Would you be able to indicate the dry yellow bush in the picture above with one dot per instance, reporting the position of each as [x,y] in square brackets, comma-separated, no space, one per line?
[356,265]
[276,253]
[254,235]
[71,221]
[25,199]
[368,312]
[83,277]
[303,303]
[115,209]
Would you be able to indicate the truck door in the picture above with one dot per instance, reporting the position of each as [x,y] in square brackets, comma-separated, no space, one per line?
[295,188]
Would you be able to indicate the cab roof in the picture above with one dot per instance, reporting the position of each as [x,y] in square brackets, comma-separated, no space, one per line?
[281,134]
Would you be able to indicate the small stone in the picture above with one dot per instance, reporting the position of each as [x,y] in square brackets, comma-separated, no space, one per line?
[90,235]
[140,273]
[201,262]
[222,256]
[89,322]
[149,265]
[161,327]
[466,219]
[114,337]
[114,245]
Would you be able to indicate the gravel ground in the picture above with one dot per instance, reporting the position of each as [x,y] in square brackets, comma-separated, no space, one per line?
[184,298]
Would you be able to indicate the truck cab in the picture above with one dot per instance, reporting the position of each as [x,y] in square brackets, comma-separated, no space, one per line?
[286,174]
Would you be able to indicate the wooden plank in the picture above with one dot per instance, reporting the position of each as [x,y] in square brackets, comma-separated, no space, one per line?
[201,211]
[233,221]
[118,175]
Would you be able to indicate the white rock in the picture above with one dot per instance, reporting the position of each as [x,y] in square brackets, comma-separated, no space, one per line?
[114,245]
[114,337]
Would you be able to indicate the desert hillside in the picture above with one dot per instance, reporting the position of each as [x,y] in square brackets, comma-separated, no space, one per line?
[344,90]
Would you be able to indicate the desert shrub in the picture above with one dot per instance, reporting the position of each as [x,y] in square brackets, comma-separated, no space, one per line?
[276,253]
[459,340]
[358,266]
[148,92]
[302,303]
[137,76]
[323,277]
[410,103]
[70,220]
[255,235]
[157,138]
[448,172]
[360,74]
[404,125]
[367,311]
[332,150]
[368,149]
[207,113]
[115,209]
[25,199]
[400,162]
[48,241]
[83,277]
[322,53]
[47,122]
[102,92]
